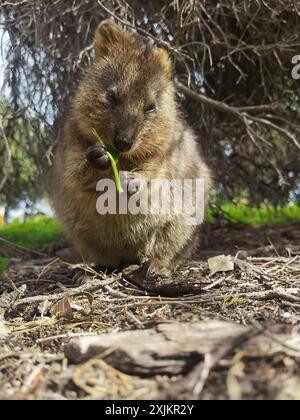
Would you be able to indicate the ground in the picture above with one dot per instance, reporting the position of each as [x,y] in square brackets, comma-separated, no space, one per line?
[250,316]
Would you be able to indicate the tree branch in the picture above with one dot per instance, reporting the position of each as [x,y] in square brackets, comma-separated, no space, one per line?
[8,157]
[242,113]
[223,107]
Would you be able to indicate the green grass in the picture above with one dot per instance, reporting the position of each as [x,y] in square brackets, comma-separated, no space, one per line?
[43,230]
[32,233]
[4,264]
[242,213]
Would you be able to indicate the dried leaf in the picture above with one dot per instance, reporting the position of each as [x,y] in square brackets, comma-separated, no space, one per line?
[62,309]
[221,263]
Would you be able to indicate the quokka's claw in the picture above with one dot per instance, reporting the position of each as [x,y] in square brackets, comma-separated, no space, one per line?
[153,271]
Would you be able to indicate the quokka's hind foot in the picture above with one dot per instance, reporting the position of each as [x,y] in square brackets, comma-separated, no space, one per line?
[154,269]
[149,275]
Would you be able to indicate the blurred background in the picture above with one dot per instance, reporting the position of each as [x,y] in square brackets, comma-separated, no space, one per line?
[240,54]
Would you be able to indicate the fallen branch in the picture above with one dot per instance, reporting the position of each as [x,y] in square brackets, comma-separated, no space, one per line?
[171,348]
[194,382]
[91,287]
[176,348]
[271,295]
[22,249]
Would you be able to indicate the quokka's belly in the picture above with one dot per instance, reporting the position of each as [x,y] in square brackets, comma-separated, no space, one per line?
[114,240]
[110,239]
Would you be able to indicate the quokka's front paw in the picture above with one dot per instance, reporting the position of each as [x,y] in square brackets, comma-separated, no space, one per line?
[97,157]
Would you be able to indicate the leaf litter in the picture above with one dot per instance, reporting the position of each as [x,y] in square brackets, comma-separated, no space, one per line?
[46,304]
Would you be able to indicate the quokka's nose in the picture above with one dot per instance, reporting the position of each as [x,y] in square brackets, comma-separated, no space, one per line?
[123,143]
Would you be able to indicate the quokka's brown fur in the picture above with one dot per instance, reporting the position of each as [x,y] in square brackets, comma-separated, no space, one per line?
[164,147]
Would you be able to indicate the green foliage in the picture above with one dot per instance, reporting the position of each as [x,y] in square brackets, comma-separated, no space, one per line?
[42,230]
[242,213]
[27,179]
[4,264]
[32,233]
[113,156]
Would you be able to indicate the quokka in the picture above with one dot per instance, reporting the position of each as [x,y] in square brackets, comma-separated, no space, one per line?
[128,96]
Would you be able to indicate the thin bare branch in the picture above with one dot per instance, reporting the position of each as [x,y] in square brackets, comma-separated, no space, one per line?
[8,156]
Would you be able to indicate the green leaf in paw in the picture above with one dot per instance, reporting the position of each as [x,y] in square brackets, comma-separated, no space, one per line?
[113,156]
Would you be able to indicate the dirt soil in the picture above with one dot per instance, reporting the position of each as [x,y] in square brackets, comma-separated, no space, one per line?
[46,303]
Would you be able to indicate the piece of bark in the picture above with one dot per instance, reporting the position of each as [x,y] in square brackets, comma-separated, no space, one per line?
[191,385]
[169,348]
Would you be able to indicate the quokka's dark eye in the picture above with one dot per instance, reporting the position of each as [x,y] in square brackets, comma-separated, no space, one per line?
[111,97]
[151,108]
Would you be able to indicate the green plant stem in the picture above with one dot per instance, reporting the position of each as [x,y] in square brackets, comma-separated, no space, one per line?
[113,156]
[116,172]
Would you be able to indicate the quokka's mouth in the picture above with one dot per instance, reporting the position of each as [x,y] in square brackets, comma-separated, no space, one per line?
[122,146]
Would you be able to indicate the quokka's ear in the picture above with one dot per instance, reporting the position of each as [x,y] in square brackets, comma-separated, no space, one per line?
[165,61]
[106,36]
